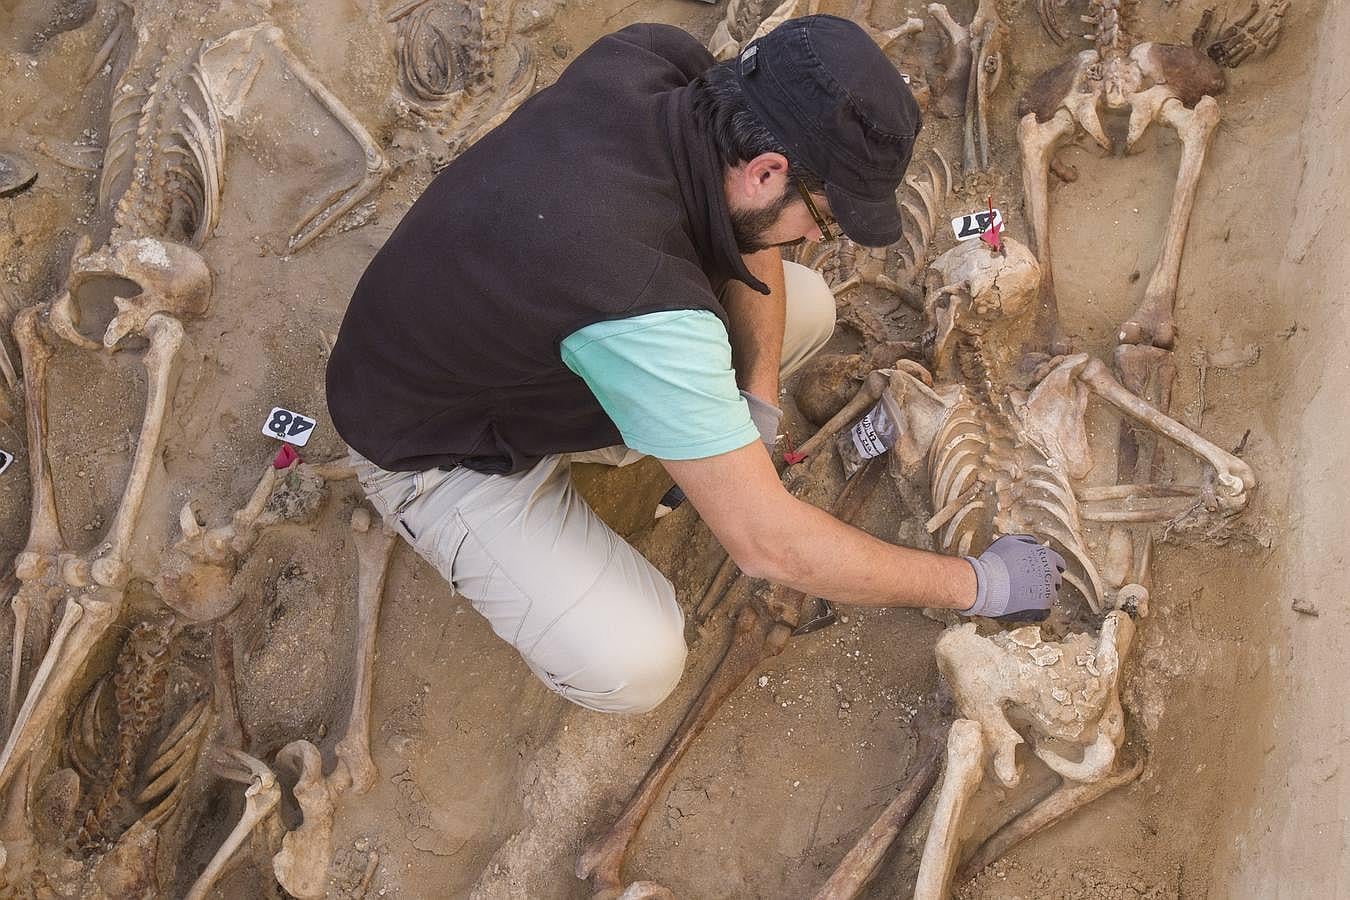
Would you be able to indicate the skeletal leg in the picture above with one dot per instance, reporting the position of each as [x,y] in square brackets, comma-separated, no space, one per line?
[965,769]
[1152,321]
[860,863]
[44,531]
[1063,802]
[725,576]
[166,337]
[260,799]
[958,69]
[986,72]
[21,737]
[1235,478]
[755,639]
[230,731]
[761,629]
[302,864]
[373,550]
[1039,143]
[1148,373]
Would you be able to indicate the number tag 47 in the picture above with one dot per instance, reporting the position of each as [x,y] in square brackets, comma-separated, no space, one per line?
[975,224]
[286,425]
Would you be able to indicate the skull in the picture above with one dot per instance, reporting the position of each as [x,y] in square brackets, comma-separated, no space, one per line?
[979,288]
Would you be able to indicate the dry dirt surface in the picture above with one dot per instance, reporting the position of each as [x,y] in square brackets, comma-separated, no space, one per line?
[488,785]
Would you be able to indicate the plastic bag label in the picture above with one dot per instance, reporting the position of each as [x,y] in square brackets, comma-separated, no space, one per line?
[871,433]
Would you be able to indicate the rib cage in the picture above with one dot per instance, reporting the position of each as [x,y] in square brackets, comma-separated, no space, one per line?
[933,192]
[165,152]
[138,691]
[923,201]
[988,479]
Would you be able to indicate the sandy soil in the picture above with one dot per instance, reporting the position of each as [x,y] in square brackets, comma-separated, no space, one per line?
[489,785]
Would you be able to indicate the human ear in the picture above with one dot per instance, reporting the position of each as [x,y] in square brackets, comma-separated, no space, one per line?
[766,173]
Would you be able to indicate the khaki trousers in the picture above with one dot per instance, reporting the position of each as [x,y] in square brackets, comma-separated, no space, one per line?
[592,618]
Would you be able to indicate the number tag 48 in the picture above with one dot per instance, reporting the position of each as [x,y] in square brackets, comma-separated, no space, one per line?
[975,224]
[286,425]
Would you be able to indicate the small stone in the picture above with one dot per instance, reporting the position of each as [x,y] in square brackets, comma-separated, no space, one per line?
[1307,607]
[763,681]
[362,844]
[844,704]
[1060,695]
[843,619]
[1026,636]
[796,784]
[1045,656]
[562,49]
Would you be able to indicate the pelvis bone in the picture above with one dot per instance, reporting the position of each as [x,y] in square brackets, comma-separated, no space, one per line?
[1067,692]
[143,277]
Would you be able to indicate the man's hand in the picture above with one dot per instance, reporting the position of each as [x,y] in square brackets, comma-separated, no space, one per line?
[1016,579]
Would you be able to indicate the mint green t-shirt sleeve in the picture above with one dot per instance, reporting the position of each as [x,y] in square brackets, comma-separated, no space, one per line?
[666,381]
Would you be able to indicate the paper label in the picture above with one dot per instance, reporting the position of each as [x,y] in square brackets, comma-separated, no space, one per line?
[972,226]
[289,426]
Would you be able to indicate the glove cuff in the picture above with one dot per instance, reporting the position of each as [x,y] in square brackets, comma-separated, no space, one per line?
[766,417]
[993,586]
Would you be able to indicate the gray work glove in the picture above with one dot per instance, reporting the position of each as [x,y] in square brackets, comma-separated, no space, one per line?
[1016,579]
[766,417]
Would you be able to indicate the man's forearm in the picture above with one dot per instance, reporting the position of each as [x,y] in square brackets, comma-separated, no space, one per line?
[816,553]
[771,534]
[756,326]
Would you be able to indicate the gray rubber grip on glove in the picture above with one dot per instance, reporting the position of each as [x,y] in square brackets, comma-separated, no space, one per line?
[766,417]
[1016,577]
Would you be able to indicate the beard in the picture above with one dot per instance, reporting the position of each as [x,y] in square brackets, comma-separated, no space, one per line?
[750,225]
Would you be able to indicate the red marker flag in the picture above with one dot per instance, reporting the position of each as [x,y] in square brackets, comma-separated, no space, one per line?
[993,237]
[285,456]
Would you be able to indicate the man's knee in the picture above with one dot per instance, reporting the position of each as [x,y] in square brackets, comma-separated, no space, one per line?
[648,673]
[630,668]
[810,313]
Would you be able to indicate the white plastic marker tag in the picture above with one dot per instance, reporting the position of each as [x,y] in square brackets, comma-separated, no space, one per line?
[288,426]
[5,459]
[975,224]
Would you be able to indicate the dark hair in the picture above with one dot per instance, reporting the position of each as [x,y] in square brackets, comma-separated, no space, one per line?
[737,132]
